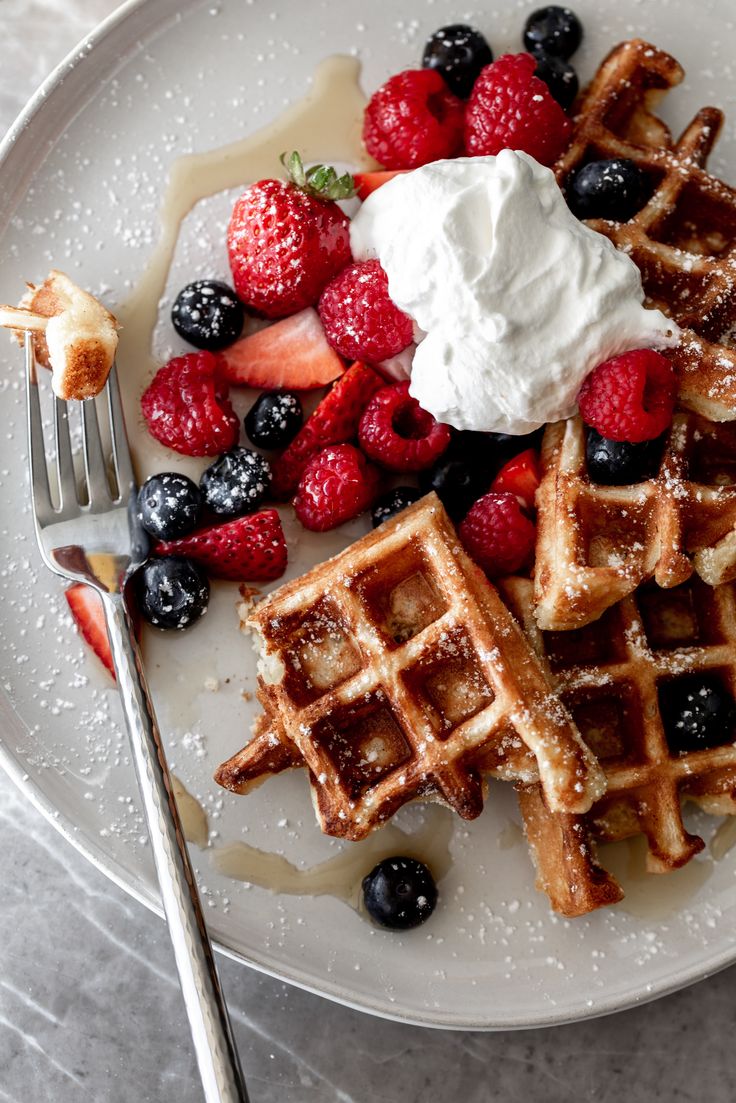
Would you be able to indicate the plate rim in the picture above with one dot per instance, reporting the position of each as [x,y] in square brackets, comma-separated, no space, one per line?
[47,94]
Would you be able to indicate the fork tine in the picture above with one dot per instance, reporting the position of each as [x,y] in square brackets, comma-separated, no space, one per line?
[95,468]
[39,472]
[120,449]
[65,475]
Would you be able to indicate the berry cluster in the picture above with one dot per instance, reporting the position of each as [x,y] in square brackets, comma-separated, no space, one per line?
[462,101]
[332,323]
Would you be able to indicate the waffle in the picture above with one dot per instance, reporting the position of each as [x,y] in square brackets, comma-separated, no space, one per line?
[609,675]
[75,335]
[684,239]
[596,544]
[393,672]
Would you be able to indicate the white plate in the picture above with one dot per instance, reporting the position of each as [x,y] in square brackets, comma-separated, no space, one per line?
[83,177]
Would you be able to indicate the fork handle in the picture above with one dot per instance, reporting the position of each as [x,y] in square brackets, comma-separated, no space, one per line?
[217,1056]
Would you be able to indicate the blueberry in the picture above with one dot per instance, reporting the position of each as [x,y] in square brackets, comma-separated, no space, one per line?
[169,505]
[507,445]
[618,462]
[615,189]
[553,30]
[457,483]
[208,314]
[399,893]
[458,52]
[274,419]
[237,482]
[466,470]
[697,712]
[560,78]
[172,592]
[393,502]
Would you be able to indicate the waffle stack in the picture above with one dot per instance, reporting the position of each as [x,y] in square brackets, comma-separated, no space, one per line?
[684,239]
[621,559]
[611,676]
[596,544]
[394,671]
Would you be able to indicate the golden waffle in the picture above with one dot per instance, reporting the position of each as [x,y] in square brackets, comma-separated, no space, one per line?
[610,675]
[684,239]
[394,671]
[595,544]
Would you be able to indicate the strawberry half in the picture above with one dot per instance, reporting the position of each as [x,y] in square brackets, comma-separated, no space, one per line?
[521,476]
[368,182]
[248,549]
[335,421]
[291,355]
[86,607]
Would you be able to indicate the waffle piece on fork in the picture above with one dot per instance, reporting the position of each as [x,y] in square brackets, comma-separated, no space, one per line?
[684,238]
[596,544]
[614,676]
[394,671]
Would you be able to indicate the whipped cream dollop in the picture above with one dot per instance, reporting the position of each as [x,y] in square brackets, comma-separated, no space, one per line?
[514,300]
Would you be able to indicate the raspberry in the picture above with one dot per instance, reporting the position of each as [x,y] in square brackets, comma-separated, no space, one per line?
[358,317]
[336,486]
[630,397]
[397,433]
[511,108]
[497,534]
[413,119]
[186,406]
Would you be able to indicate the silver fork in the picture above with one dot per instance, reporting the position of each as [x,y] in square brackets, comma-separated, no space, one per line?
[95,539]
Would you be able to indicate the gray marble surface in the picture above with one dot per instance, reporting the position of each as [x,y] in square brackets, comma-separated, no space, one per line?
[89,1005]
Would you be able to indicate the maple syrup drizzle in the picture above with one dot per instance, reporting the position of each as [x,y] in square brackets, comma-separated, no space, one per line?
[724,839]
[192,815]
[652,896]
[341,876]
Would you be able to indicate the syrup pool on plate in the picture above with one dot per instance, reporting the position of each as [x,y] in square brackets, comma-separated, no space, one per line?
[341,876]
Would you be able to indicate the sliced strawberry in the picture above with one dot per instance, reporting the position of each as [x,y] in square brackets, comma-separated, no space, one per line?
[521,476]
[248,549]
[89,616]
[292,354]
[368,182]
[335,421]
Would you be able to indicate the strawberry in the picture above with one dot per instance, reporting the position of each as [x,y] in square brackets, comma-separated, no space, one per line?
[521,476]
[290,355]
[250,548]
[335,421]
[288,238]
[87,609]
[368,182]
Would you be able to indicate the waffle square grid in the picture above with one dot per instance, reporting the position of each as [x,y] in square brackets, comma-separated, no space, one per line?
[394,672]
[596,544]
[611,676]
